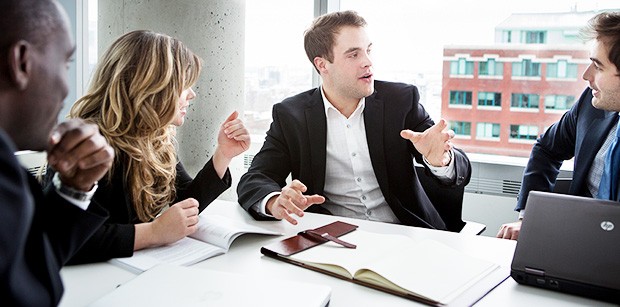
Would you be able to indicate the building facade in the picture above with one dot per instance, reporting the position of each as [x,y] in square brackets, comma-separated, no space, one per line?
[499,98]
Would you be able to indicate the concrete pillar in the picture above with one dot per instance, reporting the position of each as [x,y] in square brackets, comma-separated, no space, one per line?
[214,29]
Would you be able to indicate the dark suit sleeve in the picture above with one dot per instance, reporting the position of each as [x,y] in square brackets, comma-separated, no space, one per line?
[116,238]
[111,240]
[16,212]
[269,169]
[67,226]
[39,232]
[205,187]
[418,120]
[552,148]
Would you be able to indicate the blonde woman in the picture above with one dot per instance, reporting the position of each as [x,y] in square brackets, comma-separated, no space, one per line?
[139,94]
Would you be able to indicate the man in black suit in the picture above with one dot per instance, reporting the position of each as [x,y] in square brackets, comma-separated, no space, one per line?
[351,141]
[585,132]
[40,230]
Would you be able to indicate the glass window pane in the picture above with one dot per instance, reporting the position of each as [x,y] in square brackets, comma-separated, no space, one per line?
[443,64]
[562,69]
[454,68]
[273,74]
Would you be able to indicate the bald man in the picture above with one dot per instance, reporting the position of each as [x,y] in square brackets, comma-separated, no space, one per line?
[40,230]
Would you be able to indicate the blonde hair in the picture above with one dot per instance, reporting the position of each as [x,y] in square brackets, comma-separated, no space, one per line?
[133,99]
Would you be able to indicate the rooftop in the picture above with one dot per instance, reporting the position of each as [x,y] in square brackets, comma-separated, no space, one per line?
[540,21]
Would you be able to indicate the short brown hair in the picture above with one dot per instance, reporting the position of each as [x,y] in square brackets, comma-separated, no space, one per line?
[319,38]
[605,27]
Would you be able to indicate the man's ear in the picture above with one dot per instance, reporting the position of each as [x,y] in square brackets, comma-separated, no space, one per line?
[20,63]
[320,64]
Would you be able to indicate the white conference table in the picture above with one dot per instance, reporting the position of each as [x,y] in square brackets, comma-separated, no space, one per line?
[86,283]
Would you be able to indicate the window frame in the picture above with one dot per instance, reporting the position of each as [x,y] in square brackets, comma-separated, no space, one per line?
[520,106]
[484,137]
[496,100]
[466,97]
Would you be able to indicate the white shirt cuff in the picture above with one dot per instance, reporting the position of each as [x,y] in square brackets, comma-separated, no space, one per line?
[262,205]
[521,214]
[80,203]
[445,173]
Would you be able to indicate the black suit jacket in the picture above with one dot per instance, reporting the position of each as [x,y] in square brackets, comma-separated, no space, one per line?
[117,236]
[580,133]
[39,232]
[296,144]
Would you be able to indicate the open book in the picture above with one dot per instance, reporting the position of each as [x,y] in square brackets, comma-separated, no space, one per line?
[425,270]
[214,236]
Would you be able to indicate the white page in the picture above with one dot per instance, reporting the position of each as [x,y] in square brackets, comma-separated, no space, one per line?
[369,247]
[186,251]
[432,269]
[428,268]
[221,231]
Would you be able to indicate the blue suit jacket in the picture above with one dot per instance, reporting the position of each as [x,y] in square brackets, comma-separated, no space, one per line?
[580,133]
[296,144]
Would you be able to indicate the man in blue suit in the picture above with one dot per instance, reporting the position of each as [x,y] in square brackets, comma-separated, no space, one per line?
[350,144]
[586,131]
[40,230]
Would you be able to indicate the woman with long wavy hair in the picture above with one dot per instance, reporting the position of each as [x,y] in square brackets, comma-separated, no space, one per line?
[138,96]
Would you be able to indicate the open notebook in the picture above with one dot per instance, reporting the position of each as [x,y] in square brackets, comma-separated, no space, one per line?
[423,270]
[170,285]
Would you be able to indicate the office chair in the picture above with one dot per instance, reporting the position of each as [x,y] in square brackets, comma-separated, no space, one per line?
[449,204]
[33,161]
[562,185]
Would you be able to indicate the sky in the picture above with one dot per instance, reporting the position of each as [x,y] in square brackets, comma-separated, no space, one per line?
[415,42]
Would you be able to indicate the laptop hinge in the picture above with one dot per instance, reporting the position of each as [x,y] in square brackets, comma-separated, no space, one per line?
[536,272]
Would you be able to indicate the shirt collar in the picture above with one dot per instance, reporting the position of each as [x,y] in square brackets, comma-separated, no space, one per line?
[328,105]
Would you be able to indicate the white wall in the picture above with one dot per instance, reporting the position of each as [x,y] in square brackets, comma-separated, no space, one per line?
[491,210]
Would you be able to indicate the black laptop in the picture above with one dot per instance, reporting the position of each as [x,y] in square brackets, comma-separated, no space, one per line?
[570,244]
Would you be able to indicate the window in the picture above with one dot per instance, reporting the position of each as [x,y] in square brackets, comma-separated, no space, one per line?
[491,68]
[506,36]
[523,132]
[273,74]
[528,101]
[83,18]
[559,102]
[487,131]
[534,37]
[460,97]
[526,68]
[461,128]
[489,99]
[562,69]
[462,67]
[479,50]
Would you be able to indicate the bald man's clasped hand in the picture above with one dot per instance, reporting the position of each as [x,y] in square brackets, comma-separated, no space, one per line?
[79,153]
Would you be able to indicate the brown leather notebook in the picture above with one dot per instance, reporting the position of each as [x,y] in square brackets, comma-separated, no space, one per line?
[307,239]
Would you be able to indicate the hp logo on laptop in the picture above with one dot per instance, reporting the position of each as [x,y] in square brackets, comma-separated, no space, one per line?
[607,225]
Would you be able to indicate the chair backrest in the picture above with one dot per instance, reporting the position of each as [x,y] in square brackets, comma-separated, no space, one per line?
[448,201]
[562,185]
[33,161]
